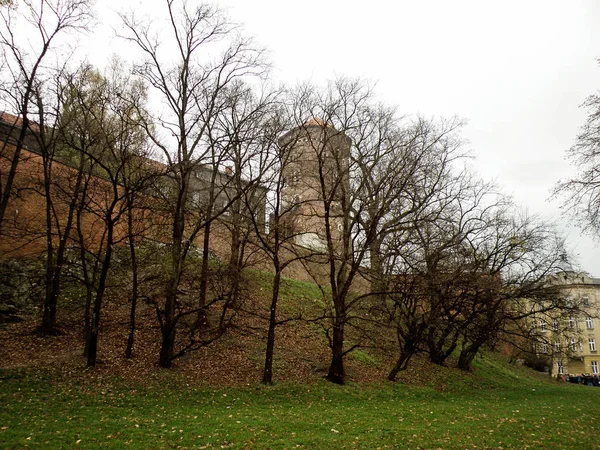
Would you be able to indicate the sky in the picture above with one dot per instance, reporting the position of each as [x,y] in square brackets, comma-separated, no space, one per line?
[517,71]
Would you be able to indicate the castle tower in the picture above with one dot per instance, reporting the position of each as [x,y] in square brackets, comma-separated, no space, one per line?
[316,179]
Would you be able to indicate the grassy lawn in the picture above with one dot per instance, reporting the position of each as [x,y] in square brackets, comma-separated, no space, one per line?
[496,408]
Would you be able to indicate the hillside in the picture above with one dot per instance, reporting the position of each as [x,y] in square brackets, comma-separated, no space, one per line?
[235,359]
[212,398]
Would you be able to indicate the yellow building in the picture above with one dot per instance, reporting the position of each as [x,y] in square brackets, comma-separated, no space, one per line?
[571,338]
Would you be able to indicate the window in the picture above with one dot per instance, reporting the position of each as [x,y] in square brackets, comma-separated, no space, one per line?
[589,322]
[571,322]
[592,343]
[544,348]
[542,325]
[557,347]
[573,344]
[295,177]
[555,325]
[562,369]
[585,300]
[595,367]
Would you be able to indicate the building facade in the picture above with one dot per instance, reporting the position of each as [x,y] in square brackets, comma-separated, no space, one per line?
[570,339]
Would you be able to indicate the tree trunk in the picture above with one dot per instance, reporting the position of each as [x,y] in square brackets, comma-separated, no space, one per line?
[134,281]
[468,353]
[407,351]
[201,321]
[438,355]
[466,358]
[401,364]
[336,369]
[378,285]
[268,368]
[51,296]
[87,319]
[48,325]
[94,330]
[235,263]
[54,266]
[7,188]
[168,320]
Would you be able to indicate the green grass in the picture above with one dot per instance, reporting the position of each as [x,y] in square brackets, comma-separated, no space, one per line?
[497,408]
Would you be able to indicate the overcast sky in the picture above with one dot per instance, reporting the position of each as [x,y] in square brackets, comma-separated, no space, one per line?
[516,70]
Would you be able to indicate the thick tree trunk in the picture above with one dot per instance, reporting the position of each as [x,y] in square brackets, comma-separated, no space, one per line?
[408,349]
[401,364]
[466,358]
[168,326]
[468,353]
[438,355]
[336,368]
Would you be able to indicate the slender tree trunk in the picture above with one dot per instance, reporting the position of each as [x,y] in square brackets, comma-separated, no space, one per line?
[48,325]
[168,329]
[268,368]
[168,319]
[235,263]
[94,330]
[12,172]
[49,313]
[134,281]
[54,266]
[168,324]
[201,321]
[378,286]
[87,319]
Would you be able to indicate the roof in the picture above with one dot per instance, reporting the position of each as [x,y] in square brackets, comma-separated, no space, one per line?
[13,120]
[315,121]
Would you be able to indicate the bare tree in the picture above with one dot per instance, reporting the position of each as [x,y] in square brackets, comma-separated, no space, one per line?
[581,194]
[177,65]
[42,23]
[470,275]
[370,175]
[106,131]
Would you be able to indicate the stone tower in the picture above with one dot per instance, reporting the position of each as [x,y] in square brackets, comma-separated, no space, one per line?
[315,172]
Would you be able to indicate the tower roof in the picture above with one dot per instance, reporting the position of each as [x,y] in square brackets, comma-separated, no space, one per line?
[315,121]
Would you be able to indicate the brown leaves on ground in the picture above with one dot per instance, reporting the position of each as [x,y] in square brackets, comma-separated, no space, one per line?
[237,358]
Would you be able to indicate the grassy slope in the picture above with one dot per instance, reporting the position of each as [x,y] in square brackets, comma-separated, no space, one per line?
[498,407]
[212,400]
